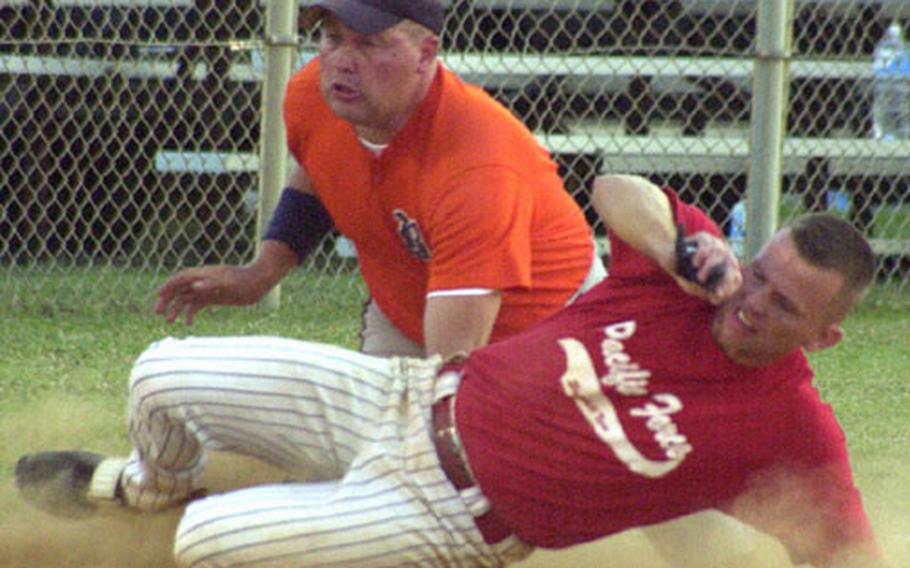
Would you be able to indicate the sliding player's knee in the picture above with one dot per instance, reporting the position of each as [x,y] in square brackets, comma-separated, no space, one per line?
[204,535]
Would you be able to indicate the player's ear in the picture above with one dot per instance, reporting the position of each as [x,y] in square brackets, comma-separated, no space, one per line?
[828,337]
[429,50]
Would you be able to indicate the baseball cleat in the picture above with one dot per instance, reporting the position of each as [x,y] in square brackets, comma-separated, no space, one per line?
[69,484]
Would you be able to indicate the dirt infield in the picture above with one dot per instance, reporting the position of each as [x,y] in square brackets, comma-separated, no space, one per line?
[30,539]
[33,539]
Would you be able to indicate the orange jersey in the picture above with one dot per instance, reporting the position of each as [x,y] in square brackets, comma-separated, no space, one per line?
[463,197]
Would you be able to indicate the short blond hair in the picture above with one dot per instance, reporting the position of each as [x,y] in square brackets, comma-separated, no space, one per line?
[832,243]
[417,32]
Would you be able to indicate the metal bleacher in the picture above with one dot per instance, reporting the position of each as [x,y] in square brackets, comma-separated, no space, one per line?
[586,110]
[508,72]
[606,106]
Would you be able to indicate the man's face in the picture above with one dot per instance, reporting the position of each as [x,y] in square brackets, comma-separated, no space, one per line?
[371,81]
[783,304]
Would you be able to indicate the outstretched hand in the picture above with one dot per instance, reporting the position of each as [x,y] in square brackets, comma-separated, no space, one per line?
[711,270]
[192,289]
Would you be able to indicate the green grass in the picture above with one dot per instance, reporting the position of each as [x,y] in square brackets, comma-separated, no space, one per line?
[61,287]
[891,221]
[46,349]
[89,353]
[49,346]
[866,380]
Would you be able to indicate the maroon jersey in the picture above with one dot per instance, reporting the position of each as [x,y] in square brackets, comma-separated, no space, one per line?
[621,411]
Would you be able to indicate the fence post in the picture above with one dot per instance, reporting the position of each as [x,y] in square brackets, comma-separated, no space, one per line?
[769,105]
[280,50]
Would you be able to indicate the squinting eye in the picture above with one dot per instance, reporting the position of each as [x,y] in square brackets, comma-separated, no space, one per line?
[784,304]
[330,37]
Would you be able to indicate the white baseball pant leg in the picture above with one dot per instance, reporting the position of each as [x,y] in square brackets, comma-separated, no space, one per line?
[360,422]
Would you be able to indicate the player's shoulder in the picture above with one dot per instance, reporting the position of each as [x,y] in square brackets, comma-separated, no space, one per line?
[304,108]
[468,107]
[472,130]
[304,84]
[812,415]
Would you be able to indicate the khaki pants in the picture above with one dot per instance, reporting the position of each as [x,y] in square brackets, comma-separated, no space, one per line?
[379,337]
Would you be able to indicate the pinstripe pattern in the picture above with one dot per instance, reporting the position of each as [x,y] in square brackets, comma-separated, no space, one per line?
[357,423]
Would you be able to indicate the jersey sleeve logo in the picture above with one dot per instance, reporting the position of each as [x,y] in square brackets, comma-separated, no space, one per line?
[581,383]
[411,237]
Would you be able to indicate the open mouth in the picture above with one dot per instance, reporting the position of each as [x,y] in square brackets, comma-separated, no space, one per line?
[744,319]
[344,92]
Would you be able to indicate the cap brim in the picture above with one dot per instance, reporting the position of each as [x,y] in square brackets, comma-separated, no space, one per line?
[360,17]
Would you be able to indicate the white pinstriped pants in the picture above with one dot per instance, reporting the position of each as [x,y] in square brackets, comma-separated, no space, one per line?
[360,423]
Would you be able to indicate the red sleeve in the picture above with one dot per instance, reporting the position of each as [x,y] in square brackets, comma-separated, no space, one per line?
[816,513]
[810,502]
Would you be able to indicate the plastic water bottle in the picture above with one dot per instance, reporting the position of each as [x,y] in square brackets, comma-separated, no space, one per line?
[891,76]
[838,201]
[737,232]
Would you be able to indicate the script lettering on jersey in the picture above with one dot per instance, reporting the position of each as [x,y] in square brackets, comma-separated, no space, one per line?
[581,383]
[409,232]
[623,375]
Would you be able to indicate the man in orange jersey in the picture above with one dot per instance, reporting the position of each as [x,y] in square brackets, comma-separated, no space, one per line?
[463,229]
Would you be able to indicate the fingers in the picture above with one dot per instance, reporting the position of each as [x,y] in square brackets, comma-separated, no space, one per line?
[720,271]
[711,262]
[728,285]
[186,304]
[191,310]
[176,306]
[178,282]
[191,290]
[186,292]
[717,270]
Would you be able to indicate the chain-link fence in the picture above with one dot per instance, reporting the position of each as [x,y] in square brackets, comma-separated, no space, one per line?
[130,128]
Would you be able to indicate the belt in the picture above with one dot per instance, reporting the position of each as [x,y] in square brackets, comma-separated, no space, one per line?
[455,466]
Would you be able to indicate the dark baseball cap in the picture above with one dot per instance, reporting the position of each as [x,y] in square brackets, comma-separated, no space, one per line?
[372,16]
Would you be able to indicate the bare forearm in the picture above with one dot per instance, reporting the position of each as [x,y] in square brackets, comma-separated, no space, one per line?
[274,262]
[638,213]
[454,324]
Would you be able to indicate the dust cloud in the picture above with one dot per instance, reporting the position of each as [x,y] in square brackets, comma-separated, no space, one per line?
[34,539]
